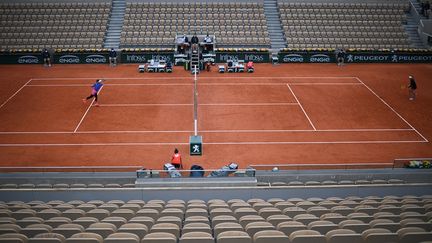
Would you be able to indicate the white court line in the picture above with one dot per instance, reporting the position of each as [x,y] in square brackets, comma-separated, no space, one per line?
[22,87]
[391,108]
[219,131]
[85,114]
[218,77]
[301,107]
[215,104]
[208,143]
[186,84]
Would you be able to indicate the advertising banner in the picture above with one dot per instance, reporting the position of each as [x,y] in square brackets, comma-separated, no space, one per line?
[143,57]
[257,57]
[20,58]
[80,58]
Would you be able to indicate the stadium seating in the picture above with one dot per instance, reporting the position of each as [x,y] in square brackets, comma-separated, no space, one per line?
[156,24]
[38,221]
[53,24]
[344,24]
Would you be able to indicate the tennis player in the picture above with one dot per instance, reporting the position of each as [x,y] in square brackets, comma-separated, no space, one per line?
[96,87]
[412,87]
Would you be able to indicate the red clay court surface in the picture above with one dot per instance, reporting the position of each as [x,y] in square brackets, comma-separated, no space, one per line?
[288,113]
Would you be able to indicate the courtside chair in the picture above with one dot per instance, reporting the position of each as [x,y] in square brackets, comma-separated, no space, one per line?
[69,229]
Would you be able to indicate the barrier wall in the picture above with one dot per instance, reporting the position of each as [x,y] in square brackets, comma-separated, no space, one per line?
[356,56]
[222,55]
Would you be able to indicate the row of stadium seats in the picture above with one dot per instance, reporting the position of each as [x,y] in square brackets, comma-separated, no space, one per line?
[400,219]
[361,22]
[178,15]
[54,25]
[128,185]
[216,18]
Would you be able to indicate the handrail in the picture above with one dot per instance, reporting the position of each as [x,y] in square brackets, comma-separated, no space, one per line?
[324,166]
[68,168]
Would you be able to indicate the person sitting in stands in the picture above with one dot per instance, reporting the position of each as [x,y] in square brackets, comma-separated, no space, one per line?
[207,39]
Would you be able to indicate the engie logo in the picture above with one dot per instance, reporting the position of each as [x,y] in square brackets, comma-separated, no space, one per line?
[95,59]
[319,58]
[293,58]
[69,59]
[28,60]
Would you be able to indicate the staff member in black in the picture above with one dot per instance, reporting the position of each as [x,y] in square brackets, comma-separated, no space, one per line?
[46,57]
[112,57]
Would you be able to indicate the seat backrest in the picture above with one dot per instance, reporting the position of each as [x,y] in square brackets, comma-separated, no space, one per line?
[197,237]
[122,237]
[303,236]
[234,237]
[342,236]
[273,236]
[159,237]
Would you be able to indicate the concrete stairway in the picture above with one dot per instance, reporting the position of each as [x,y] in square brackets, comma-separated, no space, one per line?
[115,24]
[274,26]
[411,27]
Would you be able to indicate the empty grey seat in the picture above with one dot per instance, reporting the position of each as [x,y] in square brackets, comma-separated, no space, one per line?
[122,237]
[379,235]
[13,238]
[342,236]
[85,237]
[273,236]
[233,237]
[48,238]
[159,237]
[196,237]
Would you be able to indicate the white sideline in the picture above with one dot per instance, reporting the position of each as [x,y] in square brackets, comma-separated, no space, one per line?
[301,107]
[391,108]
[85,114]
[22,87]
[206,143]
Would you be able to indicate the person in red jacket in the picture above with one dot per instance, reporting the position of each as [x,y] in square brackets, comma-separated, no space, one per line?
[176,160]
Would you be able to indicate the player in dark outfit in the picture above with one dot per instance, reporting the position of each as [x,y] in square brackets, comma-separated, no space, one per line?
[412,87]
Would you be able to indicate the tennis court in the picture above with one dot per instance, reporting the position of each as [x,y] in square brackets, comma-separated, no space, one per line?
[299,113]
